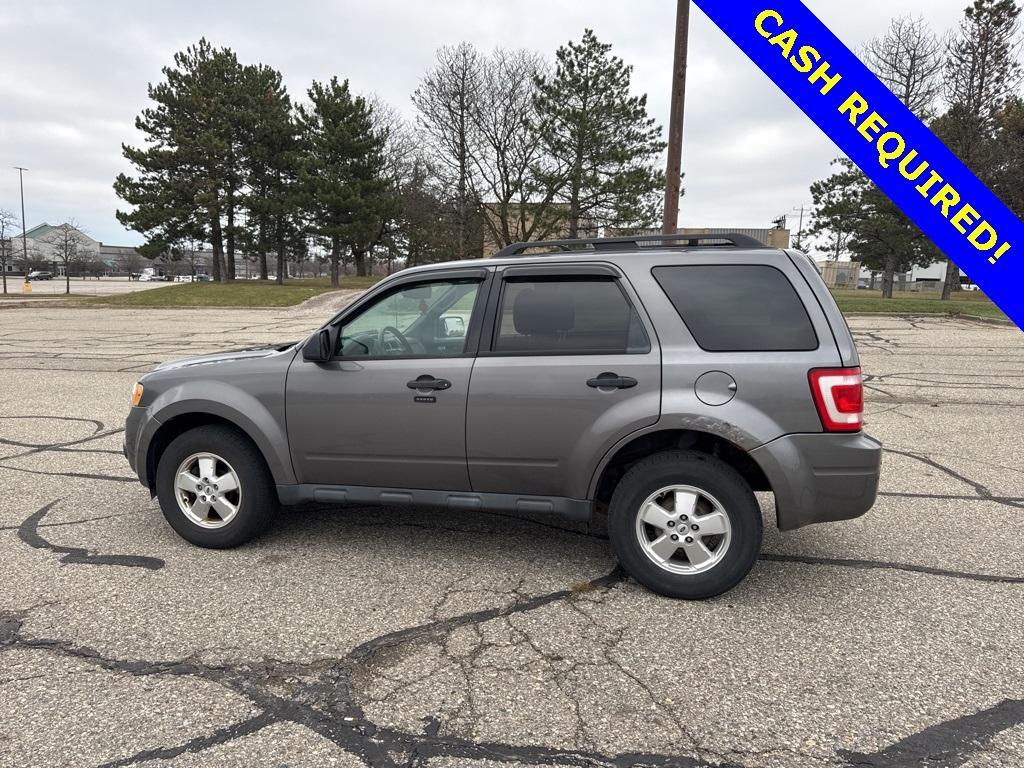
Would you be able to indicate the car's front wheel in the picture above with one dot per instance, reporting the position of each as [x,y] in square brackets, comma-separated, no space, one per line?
[214,487]
[685,525]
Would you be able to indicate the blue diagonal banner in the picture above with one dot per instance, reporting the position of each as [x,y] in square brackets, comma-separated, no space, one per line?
[885,139]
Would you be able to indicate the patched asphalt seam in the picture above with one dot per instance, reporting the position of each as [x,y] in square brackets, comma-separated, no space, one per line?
[882,565]
[326,705]
[28,532]
[198,744]
[945,745]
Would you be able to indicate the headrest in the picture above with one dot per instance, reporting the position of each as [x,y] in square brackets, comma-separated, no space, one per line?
[542,311]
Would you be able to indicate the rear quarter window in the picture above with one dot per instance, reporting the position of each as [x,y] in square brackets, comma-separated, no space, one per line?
[738,307]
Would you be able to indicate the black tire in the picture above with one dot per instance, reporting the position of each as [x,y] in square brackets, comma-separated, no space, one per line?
[258,501]
[706,473]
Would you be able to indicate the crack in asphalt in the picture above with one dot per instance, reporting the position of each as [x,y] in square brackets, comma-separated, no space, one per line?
[982,490]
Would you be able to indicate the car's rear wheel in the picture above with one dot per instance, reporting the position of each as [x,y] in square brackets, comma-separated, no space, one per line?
[214,487]
[685,525]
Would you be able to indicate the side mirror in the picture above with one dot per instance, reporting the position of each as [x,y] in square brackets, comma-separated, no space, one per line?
[320,346]
[451,327]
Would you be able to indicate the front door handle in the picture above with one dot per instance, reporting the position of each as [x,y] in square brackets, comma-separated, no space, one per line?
[429,382]
[612,381]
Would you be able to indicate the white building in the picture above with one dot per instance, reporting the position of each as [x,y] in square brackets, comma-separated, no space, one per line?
[41,246]
[40,242]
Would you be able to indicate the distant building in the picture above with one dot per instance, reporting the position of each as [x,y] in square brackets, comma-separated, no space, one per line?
[39,242]
[930,278]
[7,247]
[41,248]
[842,275]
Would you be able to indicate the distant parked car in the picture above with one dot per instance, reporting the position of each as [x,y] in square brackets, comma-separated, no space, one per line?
[183,279]
[203,279]
[38,275]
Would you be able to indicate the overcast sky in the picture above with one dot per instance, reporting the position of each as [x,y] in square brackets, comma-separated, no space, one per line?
[73,76]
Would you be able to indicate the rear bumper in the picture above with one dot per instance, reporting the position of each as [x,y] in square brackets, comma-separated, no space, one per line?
[820,478]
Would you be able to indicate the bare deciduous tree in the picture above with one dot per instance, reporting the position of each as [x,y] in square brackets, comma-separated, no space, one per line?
[909,59]
[66,246]
[447,99]
[190,252]
[7,224]
[131,262]
[507,152]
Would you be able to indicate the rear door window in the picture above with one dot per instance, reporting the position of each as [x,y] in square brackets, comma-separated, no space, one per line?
[567,316]
[738,307]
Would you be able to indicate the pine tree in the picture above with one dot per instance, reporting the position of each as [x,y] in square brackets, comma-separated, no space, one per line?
[1009,145]
[857,217]
[345,195]
[188,177]
[982,73]
[601,137]
[270,154]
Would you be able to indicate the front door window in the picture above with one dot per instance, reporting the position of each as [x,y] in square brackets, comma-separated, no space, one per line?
[420,320]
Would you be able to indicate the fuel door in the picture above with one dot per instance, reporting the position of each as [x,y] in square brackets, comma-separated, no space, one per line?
[715,388]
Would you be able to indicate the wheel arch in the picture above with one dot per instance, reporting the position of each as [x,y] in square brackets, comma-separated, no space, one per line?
[619,461]
[258,426]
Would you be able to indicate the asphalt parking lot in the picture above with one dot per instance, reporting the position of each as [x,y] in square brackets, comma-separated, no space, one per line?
[105,286]
[388,637]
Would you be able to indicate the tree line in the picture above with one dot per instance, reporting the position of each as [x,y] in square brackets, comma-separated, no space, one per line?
[504,147]
[966,85]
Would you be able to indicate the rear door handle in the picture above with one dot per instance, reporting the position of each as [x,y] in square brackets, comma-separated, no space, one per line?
[429,382]
[612,381]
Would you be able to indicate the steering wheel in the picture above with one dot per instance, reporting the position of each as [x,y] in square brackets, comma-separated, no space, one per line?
[406,346]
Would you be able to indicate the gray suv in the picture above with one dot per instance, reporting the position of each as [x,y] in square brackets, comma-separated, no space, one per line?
[657,382]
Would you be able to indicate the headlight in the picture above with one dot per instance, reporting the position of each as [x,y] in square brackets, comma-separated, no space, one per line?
[136,394]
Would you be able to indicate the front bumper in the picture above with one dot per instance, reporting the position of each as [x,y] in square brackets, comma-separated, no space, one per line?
[132,446]
[820,478]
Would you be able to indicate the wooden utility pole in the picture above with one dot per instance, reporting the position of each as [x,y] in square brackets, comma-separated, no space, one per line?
[674,169]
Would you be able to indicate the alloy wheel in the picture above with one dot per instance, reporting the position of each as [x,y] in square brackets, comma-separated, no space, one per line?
[683,529]
[207,490]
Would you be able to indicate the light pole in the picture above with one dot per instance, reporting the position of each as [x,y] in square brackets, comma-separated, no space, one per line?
[24,240]
[674,168]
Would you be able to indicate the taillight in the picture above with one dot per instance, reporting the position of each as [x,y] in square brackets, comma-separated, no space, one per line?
[839,397]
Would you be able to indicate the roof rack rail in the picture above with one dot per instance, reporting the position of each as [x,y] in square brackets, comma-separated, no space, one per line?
[736,240]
